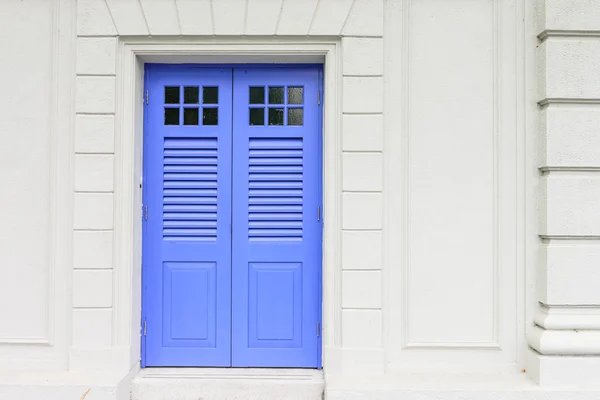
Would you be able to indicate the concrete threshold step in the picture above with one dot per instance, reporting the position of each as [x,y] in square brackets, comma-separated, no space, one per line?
[227,384]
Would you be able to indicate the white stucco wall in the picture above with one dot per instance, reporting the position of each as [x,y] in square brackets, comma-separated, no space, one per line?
[36,230]
[458,202]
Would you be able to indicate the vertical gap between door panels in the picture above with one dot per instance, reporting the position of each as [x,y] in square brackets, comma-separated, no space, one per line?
[231,224]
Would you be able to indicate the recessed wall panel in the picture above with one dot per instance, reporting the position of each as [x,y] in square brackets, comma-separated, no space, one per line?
[452,173]
[25,107]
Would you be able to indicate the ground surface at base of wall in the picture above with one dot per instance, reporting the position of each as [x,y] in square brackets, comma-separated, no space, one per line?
[482,394]
[65,385]
[451,386]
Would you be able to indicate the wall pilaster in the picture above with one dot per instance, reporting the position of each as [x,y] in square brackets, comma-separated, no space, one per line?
[565,341]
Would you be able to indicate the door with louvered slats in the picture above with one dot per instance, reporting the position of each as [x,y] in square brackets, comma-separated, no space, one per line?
[186,239]
[232,216]
[276,259]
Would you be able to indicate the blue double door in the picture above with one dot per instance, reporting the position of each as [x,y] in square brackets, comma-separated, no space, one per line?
[232,216]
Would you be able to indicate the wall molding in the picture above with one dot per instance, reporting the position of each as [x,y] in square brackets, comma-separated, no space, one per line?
[568,317]
[50,350]
[508,129]
[405,172]
[53,208]
[548,238]
[567,101]
[558,33]
[42,340]
[559,170]
[565,342]
[497,80]
[452,345]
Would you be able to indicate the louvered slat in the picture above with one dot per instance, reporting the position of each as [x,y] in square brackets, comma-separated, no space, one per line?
[275,189]
[190,189]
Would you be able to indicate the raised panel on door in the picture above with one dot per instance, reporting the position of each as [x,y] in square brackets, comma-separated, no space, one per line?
[187,239]
[276,259]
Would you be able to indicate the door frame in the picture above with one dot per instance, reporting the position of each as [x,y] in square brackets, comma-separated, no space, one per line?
[132,54]
[144,277]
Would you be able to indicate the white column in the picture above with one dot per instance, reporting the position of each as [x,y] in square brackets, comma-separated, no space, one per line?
[565,341]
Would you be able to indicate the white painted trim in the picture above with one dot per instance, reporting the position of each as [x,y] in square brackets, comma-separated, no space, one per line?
[565,342]
[568,318]
[44,340]
[132,53]
[527,241]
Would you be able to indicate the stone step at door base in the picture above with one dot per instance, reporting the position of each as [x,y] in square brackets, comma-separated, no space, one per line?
[228,384]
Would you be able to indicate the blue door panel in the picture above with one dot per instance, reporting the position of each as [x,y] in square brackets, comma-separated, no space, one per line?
[187,241]
[275,314]
[232,241]
[189,294]
[276,230]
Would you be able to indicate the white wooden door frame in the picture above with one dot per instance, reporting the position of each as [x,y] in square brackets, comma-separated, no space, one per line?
[132,54]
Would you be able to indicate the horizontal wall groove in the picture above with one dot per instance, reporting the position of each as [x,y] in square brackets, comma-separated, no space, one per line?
[100,36]
[363,36]
[568,101]
[362,76]
[95,113]
[363,191]
[452,345]
[361,269]
[569,237]
[568,329]
[93,230]
[569,307]
[361,308]
[360,230]
[550,33]
[29,341]
[363,151]
[94,153]
[363,113]
[94,191]
[569,169]
[571,172]
[96,75]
